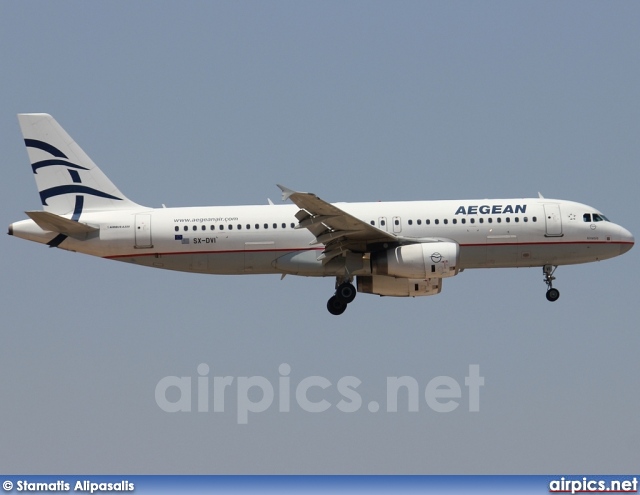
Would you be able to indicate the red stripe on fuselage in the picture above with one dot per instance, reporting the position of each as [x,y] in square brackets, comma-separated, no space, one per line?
[288,250]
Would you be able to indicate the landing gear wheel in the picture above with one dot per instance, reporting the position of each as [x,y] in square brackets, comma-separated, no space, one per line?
[548,271]
[347,292]
[336,306]
[553,295]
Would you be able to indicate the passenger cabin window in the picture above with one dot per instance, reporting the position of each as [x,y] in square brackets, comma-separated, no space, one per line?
[177,228]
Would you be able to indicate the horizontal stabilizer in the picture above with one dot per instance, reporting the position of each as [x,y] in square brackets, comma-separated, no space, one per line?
[55,223]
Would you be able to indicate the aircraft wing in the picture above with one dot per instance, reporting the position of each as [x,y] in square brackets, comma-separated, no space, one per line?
[336,229]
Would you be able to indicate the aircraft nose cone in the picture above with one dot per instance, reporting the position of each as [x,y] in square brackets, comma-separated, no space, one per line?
[627,240]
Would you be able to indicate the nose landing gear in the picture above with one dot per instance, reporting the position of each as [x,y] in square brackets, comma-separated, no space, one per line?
[548,271]
[345,293]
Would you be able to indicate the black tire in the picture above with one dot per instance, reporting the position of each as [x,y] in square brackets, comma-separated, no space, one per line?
[336,306]
[347,292]
[553,295]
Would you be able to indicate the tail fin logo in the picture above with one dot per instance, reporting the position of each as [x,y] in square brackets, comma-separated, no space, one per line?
[49,163]
[73,168]
[69,189]
[41,145]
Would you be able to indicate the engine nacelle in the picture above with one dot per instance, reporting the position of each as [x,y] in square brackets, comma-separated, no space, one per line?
[418,261]
[399,287]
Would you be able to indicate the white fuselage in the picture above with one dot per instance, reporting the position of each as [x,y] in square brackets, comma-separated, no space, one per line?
[400,249]
[263,239]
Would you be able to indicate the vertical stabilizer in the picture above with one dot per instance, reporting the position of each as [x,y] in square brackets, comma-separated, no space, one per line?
[68,181]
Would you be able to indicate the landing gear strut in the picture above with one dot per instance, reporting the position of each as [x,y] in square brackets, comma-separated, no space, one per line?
[345,293]
[548,271]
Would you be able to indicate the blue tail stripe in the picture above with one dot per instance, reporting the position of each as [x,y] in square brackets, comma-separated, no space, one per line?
[73,188]
[49,163]
[77,211]
[41,145]
[57,240]
[75,176]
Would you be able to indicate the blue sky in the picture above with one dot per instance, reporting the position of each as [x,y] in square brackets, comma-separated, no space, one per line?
[213,103]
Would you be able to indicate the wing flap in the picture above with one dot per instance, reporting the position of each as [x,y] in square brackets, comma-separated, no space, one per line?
[330,225]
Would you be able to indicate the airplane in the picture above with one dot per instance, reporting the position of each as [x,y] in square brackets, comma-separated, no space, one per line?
[403,249]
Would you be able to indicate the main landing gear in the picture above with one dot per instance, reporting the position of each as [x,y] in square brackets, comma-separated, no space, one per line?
[548,271]
[345,293]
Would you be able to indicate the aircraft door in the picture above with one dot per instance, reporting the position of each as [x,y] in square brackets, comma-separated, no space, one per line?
[382,223]
[553,220]
[143,232]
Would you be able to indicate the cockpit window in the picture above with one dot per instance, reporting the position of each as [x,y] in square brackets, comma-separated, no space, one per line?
[594,217]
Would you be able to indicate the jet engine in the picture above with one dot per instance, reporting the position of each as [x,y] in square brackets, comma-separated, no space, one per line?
[418,261]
